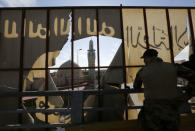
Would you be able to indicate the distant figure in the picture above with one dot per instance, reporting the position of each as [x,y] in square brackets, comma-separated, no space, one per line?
[191,63]
[160,109]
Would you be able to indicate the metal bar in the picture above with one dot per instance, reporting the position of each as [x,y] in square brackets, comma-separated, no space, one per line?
[170,36]
[35,110]
[46,64]
[21,63]
[69,109]
[124,60]
[97,67]
[191,29]
[29,126]
[146,28]
[17,69]
[62,93]
[10,69]
[72,51]
[98,47]
[110,108]
[19,111]
[159,7]
[94,7]
[100,100]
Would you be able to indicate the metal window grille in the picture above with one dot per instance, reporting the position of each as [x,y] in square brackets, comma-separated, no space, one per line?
[100,91]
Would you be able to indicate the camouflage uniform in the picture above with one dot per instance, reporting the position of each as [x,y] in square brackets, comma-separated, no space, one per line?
[159,115]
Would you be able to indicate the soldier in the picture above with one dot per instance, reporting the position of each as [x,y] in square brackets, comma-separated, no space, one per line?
[160,109]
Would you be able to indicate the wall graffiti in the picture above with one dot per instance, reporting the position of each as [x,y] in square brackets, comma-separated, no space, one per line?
[133,38]
[179,37]
[39,30]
